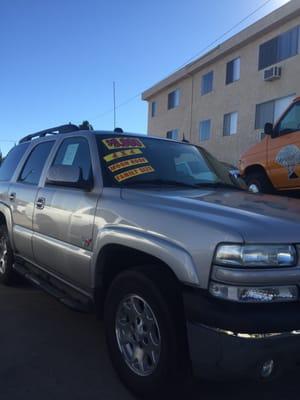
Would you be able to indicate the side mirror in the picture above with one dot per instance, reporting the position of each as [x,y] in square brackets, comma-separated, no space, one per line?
[67,175]
[269,129]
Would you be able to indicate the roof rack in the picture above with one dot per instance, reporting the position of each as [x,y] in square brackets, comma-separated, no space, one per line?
[51,131]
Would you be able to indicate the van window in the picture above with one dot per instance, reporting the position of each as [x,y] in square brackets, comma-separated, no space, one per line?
[291,121]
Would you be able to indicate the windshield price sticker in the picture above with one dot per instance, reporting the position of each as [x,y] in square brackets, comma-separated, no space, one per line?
[134,172]
[127,163]
[123,142]
[120,154]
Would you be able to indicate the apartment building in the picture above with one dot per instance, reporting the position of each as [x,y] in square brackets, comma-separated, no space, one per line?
[222,100]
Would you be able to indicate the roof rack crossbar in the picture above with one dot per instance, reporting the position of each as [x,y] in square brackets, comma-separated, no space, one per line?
[51,131]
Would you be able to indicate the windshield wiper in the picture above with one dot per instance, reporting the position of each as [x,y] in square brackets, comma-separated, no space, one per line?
[161,182]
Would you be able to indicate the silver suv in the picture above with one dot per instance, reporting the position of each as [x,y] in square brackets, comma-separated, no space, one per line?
[190,272]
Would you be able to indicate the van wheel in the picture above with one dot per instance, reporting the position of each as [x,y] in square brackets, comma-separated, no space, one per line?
[145,332]
[258,182]
[7,274]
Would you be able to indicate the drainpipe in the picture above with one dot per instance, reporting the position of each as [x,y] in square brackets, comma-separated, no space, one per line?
[191,110]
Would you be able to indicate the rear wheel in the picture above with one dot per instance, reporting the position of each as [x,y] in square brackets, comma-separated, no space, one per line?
[258,182]
[145,332]
[7,275]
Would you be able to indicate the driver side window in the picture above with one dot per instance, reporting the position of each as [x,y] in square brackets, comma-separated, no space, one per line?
[75,152]
[291,121]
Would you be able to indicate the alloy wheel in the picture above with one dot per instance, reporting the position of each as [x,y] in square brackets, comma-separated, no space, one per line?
[138,335]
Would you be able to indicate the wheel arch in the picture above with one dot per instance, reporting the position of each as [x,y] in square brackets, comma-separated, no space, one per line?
[6,218]
[118,253]
[254,168]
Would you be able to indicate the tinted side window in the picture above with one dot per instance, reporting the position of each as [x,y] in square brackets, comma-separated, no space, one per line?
[75,152]
[34,164]
[11,161]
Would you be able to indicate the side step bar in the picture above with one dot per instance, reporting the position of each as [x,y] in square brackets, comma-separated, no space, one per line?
[61,291]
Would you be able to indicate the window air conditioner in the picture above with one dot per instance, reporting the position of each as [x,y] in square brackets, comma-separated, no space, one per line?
[272,73]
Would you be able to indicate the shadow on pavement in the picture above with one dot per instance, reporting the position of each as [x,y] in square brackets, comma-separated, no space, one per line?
[50,352]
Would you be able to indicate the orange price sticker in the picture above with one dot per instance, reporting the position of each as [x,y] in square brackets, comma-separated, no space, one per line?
[127,163]
[134,172]
[121,154]
[123,142]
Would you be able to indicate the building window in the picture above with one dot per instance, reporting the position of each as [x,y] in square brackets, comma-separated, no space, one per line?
[204,130]
[173,134]
[279,48]
[270,111]
[153,109]
[173,99]
[230,124]
[233,71]
[207,83]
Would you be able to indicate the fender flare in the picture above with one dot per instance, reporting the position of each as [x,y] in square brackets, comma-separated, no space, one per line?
[173,255]
[5,210]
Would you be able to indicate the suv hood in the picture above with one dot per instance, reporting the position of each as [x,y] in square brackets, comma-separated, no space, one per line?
[255,217]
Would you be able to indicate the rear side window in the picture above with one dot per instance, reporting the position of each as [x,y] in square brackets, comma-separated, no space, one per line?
[75,152]
[11,161]
[34,164]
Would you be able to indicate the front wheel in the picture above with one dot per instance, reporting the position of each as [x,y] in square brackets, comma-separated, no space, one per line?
[7,274]
[258,182]
[145,332]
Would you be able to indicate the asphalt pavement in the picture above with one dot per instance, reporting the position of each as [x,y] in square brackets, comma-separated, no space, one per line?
[49,352]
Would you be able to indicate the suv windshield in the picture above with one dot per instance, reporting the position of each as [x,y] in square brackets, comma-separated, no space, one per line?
[130,160]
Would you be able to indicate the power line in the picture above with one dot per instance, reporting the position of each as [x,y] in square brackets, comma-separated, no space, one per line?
[223,35]
[129,100]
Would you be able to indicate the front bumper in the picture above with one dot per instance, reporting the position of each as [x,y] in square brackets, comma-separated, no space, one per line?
[217,354]
[231,340]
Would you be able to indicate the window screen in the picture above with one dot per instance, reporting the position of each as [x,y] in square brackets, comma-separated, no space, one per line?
[233,71]
[153,108]
[264,113]
[204,130]
[173,99]
[230,124]
[270,111]
[279,48]
[207,83]
[173,134]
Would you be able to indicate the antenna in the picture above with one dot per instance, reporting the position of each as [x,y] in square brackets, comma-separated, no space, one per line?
[114,99]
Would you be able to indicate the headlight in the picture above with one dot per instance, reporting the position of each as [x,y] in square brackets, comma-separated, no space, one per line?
[256,255]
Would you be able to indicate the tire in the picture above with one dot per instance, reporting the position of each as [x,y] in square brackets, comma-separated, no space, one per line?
[147,293]
[258,182]
[7,275]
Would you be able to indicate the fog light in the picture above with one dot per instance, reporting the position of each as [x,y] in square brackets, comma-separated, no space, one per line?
[267,369]
[264,294]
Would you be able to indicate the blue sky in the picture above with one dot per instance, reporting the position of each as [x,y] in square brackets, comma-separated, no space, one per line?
[60,57]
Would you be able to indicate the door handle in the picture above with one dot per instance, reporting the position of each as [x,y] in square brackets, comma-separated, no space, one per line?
[12,196]
[40,203]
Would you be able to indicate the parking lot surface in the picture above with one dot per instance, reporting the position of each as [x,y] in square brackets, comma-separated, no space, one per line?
[51,352]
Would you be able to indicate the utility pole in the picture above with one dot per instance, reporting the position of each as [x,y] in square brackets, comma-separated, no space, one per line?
[114,98]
